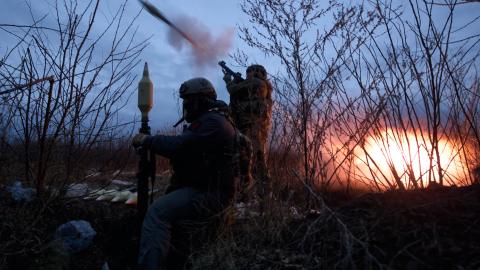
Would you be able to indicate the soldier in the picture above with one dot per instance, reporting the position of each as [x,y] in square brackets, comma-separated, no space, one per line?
[202,186]
[251,110]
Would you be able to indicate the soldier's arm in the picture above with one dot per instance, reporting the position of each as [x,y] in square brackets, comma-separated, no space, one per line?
[235,87]
[232,87]
[253,83]
[201,132]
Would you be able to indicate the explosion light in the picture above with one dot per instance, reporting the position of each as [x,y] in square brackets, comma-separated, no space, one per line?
[410,158]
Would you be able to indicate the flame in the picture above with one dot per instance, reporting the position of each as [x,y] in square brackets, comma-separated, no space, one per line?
[409,157]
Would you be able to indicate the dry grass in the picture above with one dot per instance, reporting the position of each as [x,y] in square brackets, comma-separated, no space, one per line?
[417,229]
[425,229]
[397,230]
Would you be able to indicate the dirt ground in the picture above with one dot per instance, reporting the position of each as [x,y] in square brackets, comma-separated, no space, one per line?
[424,229]
[27,230]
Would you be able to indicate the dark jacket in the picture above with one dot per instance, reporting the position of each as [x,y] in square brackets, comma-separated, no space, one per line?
[202,155]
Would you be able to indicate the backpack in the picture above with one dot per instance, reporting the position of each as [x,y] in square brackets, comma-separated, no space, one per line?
[242,154]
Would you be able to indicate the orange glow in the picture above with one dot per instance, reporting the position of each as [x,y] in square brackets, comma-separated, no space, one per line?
[390,155]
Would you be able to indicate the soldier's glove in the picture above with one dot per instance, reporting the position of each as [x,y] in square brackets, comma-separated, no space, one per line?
[139,140]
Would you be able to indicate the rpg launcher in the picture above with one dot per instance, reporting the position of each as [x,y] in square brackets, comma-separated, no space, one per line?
[237,76]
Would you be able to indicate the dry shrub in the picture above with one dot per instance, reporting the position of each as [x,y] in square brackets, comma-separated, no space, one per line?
[392,230]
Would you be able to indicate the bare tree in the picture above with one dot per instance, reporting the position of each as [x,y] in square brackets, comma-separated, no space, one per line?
[311,97]
[58,123]
[426,64]
[378,74]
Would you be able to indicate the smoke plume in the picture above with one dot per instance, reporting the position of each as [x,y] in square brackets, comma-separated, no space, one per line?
[206,49]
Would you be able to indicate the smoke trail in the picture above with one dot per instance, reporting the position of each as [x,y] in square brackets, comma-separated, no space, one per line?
[206,49]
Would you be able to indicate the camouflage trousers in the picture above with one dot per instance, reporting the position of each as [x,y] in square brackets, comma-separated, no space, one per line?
[257,132]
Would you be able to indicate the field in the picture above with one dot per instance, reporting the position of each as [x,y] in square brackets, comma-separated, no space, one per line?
[421,229]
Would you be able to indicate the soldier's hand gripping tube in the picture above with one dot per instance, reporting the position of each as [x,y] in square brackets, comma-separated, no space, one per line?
[139,140]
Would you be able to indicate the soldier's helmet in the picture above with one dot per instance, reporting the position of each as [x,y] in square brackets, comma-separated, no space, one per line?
[197,87]
[258,70]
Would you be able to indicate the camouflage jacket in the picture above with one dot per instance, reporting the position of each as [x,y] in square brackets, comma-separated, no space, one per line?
[249,100]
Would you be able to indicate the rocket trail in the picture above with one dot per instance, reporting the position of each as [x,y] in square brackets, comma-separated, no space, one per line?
[156,13]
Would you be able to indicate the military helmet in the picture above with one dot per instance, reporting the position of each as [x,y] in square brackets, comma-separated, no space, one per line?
[258,69]
[197,86]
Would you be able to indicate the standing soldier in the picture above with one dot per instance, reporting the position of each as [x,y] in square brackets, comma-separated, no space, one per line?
[251,110]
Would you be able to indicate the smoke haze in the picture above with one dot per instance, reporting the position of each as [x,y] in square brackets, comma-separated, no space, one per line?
[207,49]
